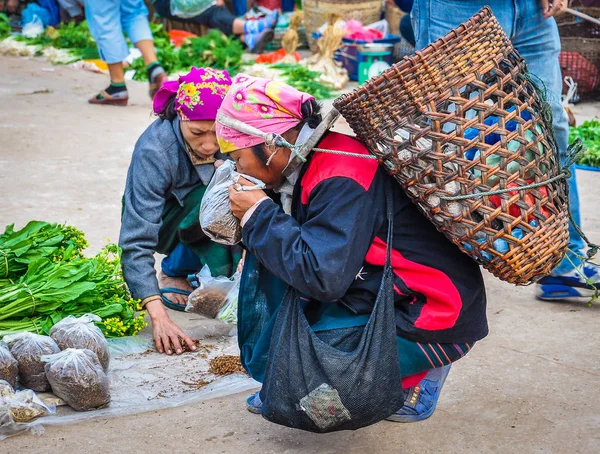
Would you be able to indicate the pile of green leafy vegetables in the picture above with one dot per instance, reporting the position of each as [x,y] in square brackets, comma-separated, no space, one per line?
[76,38]
[4,26]
[44,277]
[303,79]
[589,133]
[213,50]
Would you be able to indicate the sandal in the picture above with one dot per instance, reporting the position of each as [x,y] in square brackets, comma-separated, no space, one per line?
[109,100]
[154,86]
[170,304]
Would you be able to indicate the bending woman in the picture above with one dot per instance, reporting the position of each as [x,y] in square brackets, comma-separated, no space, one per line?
[172,164]
[329,243]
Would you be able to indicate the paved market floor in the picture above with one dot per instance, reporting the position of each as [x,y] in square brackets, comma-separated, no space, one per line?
[533,385]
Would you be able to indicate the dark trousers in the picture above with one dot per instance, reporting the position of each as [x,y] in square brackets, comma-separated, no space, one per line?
[214,17]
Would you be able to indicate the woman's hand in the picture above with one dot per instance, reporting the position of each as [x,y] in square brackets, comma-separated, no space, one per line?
[240,266]
[242,201]
[165,332]
[554,8]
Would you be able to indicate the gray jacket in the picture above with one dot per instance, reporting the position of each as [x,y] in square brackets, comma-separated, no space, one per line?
[160,169]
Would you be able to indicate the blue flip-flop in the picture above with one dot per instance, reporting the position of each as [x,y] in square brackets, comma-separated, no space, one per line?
[170,304]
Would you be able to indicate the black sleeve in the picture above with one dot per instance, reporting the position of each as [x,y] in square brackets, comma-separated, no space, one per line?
[321,257]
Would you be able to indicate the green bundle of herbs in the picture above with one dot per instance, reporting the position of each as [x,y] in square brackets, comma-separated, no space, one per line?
[589,133]
[34,241]
[4,26]
[214,50]
[58,281]
[303,79]
[76,38]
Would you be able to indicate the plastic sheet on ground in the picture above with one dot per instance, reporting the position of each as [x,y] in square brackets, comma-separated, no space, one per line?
[144,380]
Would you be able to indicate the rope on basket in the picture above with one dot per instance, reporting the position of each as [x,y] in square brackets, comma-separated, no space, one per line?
[574,153]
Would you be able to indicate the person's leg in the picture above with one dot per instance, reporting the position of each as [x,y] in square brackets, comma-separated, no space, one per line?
[169,241]
[255,34]
[406,29]
[538,42]
[105,26]
[134,18]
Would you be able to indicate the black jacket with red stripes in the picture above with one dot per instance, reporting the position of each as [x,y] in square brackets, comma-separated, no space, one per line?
[332,249]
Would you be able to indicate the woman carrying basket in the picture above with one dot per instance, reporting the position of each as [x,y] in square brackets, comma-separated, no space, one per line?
[323,231]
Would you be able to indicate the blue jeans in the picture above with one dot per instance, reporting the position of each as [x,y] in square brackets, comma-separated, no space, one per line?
[181,262]
[538,42]
[108,19]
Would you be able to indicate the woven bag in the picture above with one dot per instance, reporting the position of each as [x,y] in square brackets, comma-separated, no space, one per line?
[461,118]
[316,13]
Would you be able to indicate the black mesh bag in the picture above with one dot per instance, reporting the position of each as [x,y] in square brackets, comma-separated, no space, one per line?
[340,379]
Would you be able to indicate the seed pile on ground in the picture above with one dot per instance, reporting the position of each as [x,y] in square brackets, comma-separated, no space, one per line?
[28,348]
[226,365]
[9,367]
[77,378]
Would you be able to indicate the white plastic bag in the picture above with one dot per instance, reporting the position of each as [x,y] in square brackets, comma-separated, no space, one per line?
[186,9]
[77,377]
[381,26]
[33,28]
[73,332]
[228,312]
[216,218]
[9,367]
[212,295]
[28,348]
[24,406]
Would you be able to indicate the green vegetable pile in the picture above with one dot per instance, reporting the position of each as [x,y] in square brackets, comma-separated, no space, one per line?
[303,79]
[589,133]
[76,38]
[44,277]
[214,50]
[4,26]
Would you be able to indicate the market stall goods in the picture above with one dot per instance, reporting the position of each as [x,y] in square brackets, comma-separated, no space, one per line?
[28,348]
[9,367]
[77,377]
[23,406]
[81,332]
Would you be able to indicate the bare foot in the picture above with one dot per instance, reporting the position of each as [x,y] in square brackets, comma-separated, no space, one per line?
[165,281]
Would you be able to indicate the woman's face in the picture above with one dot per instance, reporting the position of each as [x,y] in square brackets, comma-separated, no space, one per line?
[201,137]
[248,163]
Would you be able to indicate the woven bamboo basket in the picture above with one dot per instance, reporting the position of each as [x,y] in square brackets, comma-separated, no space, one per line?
[461,118]
[317,11]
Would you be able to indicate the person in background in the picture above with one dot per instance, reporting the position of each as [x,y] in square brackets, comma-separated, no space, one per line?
[107,20]
[73,9]
[405,25]
[256,34]
[531,27]
[326,236]
[172,164]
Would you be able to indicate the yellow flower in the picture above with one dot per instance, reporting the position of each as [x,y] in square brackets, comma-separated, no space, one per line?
[190,89]
[225,146]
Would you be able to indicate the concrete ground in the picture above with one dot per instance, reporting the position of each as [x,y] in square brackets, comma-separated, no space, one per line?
[531,386]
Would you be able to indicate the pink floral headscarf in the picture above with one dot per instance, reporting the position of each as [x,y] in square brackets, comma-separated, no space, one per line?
[198,94]
[263,104]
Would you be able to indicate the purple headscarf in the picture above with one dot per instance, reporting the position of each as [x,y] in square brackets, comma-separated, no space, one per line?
[198,94]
